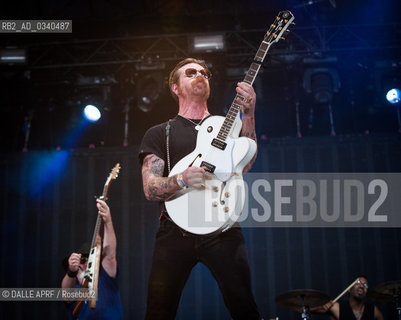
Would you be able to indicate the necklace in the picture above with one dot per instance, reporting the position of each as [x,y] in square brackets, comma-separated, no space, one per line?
[197,125]
[358,313]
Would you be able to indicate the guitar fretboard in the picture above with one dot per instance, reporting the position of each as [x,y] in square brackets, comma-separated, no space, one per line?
[275,32]
[249,78]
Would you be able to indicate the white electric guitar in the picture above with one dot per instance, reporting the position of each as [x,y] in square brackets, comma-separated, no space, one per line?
[219,148]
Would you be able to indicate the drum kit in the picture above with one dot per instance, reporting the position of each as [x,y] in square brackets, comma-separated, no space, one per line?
[302,300]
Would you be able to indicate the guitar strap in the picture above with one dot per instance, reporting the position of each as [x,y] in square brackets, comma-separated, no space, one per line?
[168,145]
[163,211]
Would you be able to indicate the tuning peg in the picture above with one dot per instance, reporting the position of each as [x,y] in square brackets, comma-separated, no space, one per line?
[282,38]
[288,31]
[293,23]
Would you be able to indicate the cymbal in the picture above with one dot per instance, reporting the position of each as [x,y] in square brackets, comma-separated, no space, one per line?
[302,297]
[386,289]
[376,296]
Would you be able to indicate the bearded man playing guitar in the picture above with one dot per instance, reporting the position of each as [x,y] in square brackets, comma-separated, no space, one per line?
[108,304]
[177,250]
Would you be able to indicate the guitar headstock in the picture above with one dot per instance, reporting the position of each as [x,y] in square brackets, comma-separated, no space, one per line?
[114,172]
[280,25]
[113,175]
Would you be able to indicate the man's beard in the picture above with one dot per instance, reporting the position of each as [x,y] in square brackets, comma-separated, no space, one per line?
[359,296]
[200,84]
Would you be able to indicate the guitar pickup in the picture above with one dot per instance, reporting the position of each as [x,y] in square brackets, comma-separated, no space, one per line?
[209,167]
[219,144]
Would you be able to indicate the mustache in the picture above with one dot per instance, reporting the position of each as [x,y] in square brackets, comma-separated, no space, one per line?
[199,79]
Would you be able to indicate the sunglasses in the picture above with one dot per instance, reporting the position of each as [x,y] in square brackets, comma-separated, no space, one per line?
[363,283]
[192,72]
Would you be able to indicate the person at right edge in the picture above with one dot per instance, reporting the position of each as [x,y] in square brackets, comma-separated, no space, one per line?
[177,251]
[355,308]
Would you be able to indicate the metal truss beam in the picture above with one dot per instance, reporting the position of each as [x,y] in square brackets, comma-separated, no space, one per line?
[115,52]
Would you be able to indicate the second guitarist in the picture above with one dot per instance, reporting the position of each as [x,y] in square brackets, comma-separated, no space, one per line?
[108,305]
[176,252]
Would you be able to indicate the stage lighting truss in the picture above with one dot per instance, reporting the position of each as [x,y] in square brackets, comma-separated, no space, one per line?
[112,53]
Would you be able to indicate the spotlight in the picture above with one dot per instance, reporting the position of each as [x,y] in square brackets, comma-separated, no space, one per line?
[322,83]
[393,95]
[207,43]
[149,89]
[12,55]
[92,113]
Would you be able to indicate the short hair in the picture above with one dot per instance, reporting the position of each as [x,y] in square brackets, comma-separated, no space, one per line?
[363,276]
[174,75]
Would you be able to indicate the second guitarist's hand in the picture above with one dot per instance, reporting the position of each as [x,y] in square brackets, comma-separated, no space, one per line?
[104,211]
[194,177]
[109,261]
[74,261]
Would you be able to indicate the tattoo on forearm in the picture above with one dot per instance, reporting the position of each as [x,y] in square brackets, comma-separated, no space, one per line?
[248,128]
[251,135]
[157,166]
[156,186]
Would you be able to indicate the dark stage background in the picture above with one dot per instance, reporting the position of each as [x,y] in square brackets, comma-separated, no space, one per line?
[47,213]
[321,107]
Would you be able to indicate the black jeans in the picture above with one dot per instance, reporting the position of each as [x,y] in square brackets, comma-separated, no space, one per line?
[177,252]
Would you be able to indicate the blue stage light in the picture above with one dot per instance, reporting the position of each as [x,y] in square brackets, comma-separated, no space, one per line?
[92,113]
[393,96]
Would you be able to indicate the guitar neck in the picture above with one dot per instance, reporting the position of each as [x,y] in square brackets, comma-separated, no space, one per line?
[276,30]
[99,219]
[250,76]
[96,231]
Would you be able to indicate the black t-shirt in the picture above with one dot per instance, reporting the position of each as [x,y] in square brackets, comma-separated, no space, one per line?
[182,141]
[347,314]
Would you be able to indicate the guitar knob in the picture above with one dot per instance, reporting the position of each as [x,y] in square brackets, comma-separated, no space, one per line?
[214,203]
[209,129]
[216,189]
[225,209]
[227,194]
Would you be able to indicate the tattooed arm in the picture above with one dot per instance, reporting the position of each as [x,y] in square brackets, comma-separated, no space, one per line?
[159,188]
[248,115]
[155,186]
[248,130]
